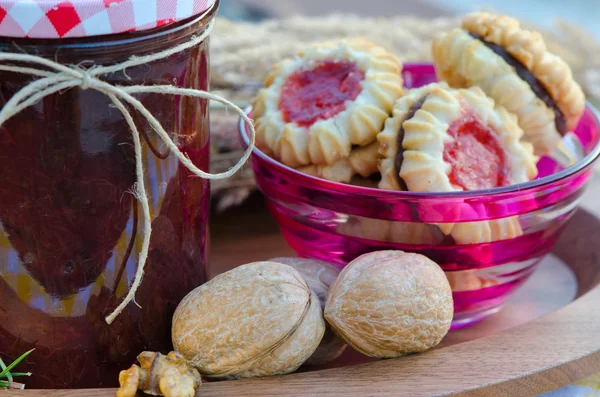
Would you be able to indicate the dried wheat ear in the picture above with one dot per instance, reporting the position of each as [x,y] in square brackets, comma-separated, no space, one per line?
[242,53]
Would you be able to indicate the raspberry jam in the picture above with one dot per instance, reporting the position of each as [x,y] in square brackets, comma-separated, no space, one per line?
[320,93]
[70,229]
[476,155]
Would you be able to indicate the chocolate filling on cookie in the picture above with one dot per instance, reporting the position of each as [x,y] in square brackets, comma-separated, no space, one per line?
[536,86]
[400,154]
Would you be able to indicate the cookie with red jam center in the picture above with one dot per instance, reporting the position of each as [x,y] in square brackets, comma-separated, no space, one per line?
[441,139]
[513,66]
[330,99]
[320,93]
[362,161]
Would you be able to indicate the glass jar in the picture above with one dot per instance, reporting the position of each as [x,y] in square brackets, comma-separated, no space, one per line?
[70,227]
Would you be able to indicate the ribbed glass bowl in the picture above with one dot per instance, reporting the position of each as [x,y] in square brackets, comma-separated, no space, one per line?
[338,222]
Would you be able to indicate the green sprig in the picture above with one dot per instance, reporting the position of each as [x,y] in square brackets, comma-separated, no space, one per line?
[17,374]
[3,367]
[7,368]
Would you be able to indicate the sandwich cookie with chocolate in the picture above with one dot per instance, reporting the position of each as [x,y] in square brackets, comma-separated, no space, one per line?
[513,66]
[441,139]
[331,98]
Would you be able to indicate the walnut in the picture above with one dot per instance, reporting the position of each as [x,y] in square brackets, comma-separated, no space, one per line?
[319,276]
[169,376]
[390,303]
[256,320]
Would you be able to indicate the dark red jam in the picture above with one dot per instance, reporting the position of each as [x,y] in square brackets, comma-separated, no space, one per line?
[320,93]
[70,229]
[476,155]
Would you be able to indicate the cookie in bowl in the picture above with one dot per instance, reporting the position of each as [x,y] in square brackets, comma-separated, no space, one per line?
[441,139]
[383,230]
[362,161]
[514,67]
[332,96]
[340,222]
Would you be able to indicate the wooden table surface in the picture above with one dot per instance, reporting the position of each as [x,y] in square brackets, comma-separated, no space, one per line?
[463,362]
[561,344]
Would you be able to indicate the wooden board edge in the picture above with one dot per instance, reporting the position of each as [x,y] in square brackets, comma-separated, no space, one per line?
[510,363]
[540,382]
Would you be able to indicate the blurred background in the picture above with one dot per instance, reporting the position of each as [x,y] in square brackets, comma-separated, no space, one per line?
[585,13]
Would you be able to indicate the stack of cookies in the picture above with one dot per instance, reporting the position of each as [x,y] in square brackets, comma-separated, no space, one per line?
[339,110]
[321,112]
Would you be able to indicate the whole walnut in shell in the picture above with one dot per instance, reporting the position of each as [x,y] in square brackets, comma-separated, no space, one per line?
[390,303]
[258,319]
[319,276]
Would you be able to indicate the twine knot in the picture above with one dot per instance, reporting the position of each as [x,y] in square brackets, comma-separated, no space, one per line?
[56,77]
[86,81]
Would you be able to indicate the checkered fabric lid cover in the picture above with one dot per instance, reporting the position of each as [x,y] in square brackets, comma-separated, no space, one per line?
[55,19]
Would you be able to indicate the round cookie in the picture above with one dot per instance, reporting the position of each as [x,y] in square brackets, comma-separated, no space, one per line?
[361,161]
[514,67]
[445,140]
[469,280]
[486,231]
[334,95]
[382,230]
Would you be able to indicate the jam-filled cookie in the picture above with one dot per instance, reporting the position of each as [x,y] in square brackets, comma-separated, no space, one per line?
[486,231]
[469,280]
[514,67]
[334,95]
[444,140]
[361,161]
[382,230]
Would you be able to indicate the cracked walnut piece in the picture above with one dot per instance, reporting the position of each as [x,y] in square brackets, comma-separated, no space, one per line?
[169,376]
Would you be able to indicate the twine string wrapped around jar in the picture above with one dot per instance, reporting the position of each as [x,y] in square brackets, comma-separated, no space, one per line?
[56,77]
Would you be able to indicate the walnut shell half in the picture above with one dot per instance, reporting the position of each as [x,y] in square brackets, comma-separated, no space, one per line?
[319,276]
[259,319]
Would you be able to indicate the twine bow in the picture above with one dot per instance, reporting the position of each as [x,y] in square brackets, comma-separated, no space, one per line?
[55,77]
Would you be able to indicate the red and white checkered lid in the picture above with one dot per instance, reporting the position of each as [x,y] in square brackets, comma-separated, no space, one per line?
[55,19]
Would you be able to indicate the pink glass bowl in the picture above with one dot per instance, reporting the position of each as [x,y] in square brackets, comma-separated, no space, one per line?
[337,222]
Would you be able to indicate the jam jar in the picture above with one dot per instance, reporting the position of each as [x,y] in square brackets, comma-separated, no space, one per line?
[70,225]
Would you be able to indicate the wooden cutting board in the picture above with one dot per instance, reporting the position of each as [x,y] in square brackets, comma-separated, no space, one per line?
[547,337]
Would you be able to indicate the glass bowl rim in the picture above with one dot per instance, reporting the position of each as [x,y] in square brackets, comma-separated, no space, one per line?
[375,192]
